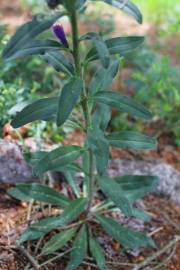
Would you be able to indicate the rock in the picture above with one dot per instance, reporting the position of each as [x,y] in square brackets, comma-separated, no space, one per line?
[169,177]
[13,167]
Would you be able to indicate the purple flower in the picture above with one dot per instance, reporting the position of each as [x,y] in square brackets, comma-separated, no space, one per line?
[60,34]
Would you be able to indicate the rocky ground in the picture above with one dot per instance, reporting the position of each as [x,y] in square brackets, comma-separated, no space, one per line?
[163,206]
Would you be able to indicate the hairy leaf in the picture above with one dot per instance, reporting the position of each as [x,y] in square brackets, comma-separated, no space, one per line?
[58,241]
[131,140]
[118,45]
[28,31]
[114,192]
[136,186]
[29,234]
[38,192]
[128,7]
[100,46]
[128,238]
[97,253]
[68,99]
[36,46]
[79,250]
[123,103]
[97,142]
[103,78]
[70,213]
[43,109]
[59,62]
[57,158]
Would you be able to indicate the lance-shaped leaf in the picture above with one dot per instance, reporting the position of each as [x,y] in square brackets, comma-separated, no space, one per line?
[68,99]
[103,78]
[97,253]
[71,179]
[101,116]
[36,46]
[128,238]
[58,157]
[136,186]
[70,213]
[58,241]
[100,46]
[128,7]
[29,234]
[118,45]
[29,31]
[114,192]
[40,193]
[43,109]
[79,250]
[97,142]
[123,103]
[59,62]
[131,140]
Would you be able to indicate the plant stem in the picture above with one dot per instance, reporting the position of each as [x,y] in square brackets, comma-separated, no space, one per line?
[84,103]
[74,27]
[90,187]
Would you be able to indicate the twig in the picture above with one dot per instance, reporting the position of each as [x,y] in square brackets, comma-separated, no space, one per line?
[157,254]
[33,262]
[155,231]
[120,264]
[55,258]
[30,205]
[166,260]
[38,245]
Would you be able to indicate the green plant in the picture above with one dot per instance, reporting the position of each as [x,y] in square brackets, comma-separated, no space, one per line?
[164,14]
[95,100]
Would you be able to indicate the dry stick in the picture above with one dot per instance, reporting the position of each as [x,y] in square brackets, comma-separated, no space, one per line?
[33,262]
[157,254]
[30,205]
[55,258]
[166,260]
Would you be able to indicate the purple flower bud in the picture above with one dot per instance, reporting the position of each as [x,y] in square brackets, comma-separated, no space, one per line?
[60,34]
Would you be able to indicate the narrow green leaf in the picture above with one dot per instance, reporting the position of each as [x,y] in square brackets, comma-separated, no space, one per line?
[131,140]
[58,241]
[97,142]
[100,46]
[29,31]
[36,46]
[43,109]
[97,253]
[137,186]
[79,250]
[68,99]
[57,158]
[128,7]
[101,116]
[137,213]
[72,168]
[38,192]
[114,192]
[123,103]
[128,238]
[118,45]
[103,78]
[70,213]
[59,62]
[70,177]
[29,234]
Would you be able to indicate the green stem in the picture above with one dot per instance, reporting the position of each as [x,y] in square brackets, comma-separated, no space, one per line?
[90,183]
[74,26]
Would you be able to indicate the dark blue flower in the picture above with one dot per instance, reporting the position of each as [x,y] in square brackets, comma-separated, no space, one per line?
[60,34]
